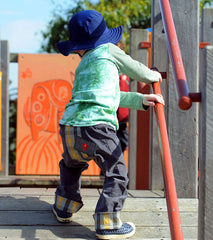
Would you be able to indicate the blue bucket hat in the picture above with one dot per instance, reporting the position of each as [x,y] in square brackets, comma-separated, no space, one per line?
[88,30]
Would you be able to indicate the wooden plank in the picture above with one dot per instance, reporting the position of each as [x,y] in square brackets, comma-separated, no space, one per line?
[8,191]
[145,194]
[49,192]
[43,203]
[48,232]
[159,205]
[183,125]
[206,151]
[29,218]
[41,181]
[31,191]
[22,203]
[88,233]
[22,191]
[207,25]
[4,45]
[88,192]
[132,129]
[159,60]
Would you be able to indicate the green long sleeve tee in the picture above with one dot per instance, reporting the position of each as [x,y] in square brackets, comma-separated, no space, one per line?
[96,94]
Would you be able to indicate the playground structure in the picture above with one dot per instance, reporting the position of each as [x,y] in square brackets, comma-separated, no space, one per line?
[184,149]
[183,126]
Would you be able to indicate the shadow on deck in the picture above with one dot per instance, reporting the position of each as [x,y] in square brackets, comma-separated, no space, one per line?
[26,213]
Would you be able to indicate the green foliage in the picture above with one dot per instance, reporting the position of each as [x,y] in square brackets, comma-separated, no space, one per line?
[12,127]
[57,28]
[204,3]
[128,13]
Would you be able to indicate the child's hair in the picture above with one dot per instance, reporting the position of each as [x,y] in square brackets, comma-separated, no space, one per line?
[121,45]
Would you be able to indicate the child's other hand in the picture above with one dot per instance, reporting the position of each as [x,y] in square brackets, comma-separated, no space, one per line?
[151,99]
[158,75]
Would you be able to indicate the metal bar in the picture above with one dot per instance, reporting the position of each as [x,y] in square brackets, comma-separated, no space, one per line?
[175,55]
[168,175]
[195,97]
[145,44]
[203,44]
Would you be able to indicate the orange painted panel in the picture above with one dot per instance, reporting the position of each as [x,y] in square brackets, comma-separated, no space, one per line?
[44,89]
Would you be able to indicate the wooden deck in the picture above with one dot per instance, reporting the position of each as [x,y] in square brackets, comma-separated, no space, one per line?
[25,213]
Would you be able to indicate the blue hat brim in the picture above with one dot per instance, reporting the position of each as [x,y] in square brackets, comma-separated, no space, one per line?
[109,36]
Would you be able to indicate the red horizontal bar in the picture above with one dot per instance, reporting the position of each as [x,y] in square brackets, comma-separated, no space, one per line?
[203,44]
[175,55]
[168,175]
[195,97]
[145,44]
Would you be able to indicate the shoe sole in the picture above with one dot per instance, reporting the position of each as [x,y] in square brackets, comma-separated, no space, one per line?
[62,220]
[118,236]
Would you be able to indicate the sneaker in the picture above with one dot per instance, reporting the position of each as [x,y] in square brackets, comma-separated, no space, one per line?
[61,216]
[125,231]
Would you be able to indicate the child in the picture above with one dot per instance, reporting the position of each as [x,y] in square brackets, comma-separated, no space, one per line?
[89,123]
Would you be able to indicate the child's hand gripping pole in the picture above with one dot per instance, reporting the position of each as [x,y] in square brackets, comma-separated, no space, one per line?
[152,99]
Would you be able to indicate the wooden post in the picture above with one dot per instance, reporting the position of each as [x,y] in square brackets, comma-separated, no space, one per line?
[183,125]
[205,230]
[5,107]
[205,150]
[206,33]
[136,36]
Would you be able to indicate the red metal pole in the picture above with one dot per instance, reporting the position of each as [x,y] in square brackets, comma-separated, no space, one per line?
[175,55]
[168,175]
